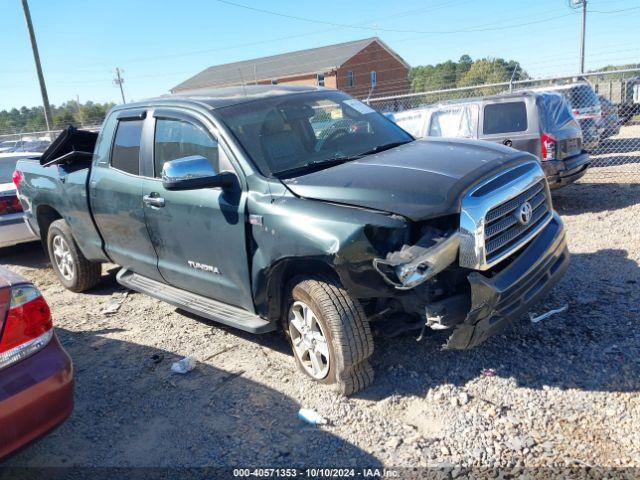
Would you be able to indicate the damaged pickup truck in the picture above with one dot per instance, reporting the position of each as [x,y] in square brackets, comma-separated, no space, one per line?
[299,208]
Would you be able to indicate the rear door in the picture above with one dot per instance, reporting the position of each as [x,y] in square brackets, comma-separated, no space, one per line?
[115,189]
[199,235]
[511,122]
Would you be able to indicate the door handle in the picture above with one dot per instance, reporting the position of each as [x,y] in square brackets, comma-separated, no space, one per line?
[153,200]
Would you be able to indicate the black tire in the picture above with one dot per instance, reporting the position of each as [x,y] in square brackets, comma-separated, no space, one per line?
[84,274]
[345,327]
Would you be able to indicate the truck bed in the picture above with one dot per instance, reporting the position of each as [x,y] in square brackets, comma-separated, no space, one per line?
[57,187]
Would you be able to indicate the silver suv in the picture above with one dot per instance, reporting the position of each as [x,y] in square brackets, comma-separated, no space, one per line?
[536,122]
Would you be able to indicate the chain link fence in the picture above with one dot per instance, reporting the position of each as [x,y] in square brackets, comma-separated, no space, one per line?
[605,104]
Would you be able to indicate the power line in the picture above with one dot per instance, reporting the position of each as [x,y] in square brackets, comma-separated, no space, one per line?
[389,30]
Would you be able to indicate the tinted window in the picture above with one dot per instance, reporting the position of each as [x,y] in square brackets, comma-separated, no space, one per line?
[126,146]
[454,121]
[505,117]
[286,132]
[178,139]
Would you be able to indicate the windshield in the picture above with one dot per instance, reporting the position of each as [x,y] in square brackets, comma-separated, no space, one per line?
[7,166]
[295,133]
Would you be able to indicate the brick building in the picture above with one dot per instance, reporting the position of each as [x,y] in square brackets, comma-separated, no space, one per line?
[361,68]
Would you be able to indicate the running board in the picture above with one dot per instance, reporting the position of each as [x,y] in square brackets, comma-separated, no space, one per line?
[194,303]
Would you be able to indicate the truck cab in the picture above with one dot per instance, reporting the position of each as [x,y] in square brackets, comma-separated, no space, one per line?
[303,209]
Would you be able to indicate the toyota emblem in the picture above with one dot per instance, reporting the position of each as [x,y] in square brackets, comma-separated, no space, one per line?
[524,213]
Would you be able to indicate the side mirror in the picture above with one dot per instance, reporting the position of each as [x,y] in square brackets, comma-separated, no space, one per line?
[192,173]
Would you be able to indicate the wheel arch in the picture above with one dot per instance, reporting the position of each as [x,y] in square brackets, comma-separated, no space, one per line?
[45,216]
[276,281]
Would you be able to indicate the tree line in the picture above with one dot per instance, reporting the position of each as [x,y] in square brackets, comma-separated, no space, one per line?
[465,72]
[31,119]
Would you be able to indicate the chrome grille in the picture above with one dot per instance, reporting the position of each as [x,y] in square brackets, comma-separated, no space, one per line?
[489,229]
[503,230]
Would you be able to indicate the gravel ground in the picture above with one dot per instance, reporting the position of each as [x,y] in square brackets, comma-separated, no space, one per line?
[557,393]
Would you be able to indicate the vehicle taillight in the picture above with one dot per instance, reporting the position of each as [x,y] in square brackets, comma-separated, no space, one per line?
[10,204]
[28,326]
[16,177]
[549,147]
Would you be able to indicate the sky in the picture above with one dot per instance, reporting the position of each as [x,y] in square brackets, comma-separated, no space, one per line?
[161,43]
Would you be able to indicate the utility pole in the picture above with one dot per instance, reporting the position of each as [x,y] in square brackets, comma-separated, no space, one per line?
[119,81]
[582,34]
[36,57]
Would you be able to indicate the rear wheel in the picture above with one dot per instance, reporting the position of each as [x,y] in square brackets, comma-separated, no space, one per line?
[74,271]
[329,334]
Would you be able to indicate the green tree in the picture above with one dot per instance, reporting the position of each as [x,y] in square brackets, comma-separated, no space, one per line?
[31,119]
[465,72]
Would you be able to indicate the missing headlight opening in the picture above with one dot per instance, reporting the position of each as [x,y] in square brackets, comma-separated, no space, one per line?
[413,265]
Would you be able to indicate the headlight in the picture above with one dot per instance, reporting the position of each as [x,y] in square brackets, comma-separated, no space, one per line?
[413,265]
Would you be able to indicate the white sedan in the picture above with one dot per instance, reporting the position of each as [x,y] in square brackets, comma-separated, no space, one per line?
[13,228]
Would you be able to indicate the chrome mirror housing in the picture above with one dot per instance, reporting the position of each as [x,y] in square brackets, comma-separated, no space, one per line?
[193,172]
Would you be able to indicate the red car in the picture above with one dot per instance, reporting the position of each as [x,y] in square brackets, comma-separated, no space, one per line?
[36,374]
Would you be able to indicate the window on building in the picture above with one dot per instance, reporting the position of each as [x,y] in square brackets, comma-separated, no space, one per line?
[374,78]
[321,79]
[179,139]
[125,155]
[351,80]
[274,81]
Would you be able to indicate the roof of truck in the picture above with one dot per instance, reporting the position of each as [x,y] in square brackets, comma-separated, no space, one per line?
[226,96]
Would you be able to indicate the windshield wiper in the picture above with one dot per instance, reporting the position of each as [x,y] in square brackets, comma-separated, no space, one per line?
[337,160]
[382,148]
[329,162]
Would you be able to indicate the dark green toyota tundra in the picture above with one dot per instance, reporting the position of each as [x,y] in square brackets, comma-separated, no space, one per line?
[265,207]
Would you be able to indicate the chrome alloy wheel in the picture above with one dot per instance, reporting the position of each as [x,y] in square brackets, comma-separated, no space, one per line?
[309,342]
[62,257]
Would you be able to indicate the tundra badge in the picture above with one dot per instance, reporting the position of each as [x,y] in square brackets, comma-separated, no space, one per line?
[202,266]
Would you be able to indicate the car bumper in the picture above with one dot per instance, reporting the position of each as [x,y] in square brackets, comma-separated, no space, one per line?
[36,395]
[498,300]
[560,173]
[14,230]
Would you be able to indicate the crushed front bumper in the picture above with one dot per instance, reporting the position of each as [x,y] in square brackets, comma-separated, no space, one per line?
[560,173]
[497,300]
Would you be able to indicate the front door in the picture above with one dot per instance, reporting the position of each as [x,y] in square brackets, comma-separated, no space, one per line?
[116,195]
[199,235]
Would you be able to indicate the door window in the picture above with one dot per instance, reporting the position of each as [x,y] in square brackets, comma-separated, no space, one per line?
[177,139]
[505,117]
[126,146]
[454,121]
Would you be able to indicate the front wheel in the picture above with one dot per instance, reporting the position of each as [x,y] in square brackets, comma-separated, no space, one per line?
[329,334]
[74,271]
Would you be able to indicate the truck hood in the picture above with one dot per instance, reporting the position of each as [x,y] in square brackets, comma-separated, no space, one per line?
[419,180]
